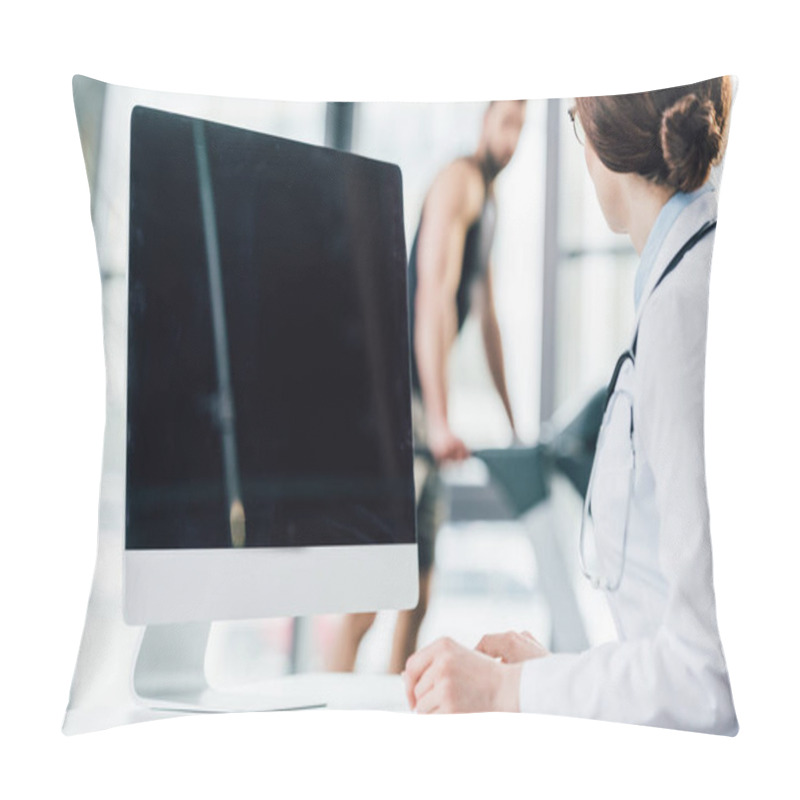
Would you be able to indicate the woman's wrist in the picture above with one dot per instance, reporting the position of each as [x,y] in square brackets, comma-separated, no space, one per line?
[507,696]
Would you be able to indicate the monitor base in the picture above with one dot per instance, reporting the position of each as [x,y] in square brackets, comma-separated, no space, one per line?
[169,675]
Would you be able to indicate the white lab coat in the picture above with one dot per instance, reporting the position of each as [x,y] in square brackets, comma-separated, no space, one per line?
[667,668]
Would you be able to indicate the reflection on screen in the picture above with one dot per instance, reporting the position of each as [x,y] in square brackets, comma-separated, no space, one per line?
[267,342]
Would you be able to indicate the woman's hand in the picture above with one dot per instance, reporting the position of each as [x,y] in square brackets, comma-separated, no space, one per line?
[446,677]
[512,647]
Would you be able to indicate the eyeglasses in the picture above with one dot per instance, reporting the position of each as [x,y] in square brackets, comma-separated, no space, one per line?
[576,125]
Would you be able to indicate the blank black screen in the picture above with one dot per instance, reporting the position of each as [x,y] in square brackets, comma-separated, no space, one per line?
[313,265]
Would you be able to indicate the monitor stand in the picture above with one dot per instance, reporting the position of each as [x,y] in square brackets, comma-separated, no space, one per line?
[170,675]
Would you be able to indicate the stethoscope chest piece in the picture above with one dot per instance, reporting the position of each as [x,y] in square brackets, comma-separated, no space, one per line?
[615,459]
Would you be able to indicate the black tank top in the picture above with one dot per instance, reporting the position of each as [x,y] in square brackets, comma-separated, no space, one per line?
[477,246]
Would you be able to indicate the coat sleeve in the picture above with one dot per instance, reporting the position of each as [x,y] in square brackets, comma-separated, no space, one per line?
[676,677]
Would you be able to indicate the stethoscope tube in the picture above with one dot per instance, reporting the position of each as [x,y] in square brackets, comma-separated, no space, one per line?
[596,581]
[612,397]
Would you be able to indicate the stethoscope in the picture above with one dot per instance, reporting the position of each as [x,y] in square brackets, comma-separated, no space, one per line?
[614,397]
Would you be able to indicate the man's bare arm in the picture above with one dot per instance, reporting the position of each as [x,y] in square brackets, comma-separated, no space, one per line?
[453,203]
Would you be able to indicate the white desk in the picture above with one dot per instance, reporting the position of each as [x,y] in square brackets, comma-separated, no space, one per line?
[340,691]
[336,691]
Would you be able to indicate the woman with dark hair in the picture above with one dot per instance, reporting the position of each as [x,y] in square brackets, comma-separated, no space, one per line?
[644,539]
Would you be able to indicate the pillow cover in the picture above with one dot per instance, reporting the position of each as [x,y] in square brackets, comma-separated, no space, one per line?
[185,366]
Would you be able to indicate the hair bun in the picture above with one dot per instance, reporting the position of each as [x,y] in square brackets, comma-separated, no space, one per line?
[691,141]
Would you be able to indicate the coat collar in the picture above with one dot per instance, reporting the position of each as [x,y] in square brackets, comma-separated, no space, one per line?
[701,209]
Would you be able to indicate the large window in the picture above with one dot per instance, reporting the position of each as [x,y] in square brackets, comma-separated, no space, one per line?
[594,285]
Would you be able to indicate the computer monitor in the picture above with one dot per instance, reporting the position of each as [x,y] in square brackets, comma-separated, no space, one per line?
[269,446]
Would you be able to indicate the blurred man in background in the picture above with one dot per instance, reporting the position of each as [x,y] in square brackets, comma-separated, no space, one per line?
[449,275]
